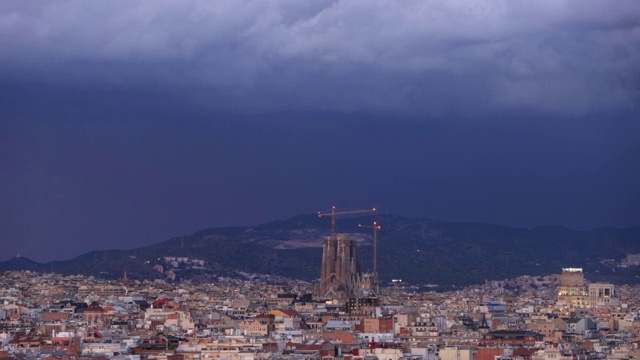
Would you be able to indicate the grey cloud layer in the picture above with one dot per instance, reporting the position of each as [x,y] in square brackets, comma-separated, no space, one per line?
[568,57]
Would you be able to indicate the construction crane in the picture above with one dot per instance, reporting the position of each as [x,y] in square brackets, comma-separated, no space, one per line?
[375,228]
[335,213]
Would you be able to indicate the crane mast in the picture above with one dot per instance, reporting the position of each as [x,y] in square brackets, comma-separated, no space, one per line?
[375,228]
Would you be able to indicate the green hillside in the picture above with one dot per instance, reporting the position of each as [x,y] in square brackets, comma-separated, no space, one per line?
[415,250]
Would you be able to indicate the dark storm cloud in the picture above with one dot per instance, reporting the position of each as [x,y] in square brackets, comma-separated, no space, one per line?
[563,57]
[123,123]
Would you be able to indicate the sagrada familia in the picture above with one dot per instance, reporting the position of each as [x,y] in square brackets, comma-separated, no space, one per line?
[342,276]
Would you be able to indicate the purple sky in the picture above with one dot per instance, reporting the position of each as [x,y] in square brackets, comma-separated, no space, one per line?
[125,123]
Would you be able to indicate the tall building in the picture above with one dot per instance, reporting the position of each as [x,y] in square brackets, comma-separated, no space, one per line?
[572,292]
[601,294]
[341,274]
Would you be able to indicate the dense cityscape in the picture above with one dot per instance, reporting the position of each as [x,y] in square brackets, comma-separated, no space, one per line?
[162,164]
[347,314]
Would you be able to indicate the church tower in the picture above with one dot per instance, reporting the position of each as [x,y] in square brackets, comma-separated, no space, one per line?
[341,268]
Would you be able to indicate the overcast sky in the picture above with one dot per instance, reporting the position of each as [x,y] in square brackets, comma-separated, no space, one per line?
[123,123]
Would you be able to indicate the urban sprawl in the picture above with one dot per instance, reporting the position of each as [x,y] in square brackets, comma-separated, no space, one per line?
[346,315]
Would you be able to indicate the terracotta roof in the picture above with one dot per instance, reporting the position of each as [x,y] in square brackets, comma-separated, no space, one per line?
[160,302]
[289,312]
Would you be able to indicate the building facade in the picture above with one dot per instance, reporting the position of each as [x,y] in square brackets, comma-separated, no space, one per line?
[572,291]
[341,268]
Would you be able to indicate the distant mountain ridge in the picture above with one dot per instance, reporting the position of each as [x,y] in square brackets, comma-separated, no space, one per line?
[415,250]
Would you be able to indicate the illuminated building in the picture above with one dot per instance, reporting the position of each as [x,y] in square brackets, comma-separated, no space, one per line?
[572,293]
